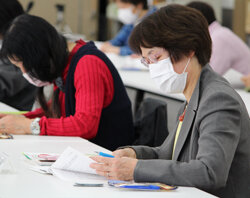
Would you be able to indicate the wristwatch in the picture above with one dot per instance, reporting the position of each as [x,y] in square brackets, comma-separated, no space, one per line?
[35,127]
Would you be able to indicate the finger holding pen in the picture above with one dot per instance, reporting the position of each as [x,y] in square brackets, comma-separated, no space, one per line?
[114,168]
[102,166]
[126,152]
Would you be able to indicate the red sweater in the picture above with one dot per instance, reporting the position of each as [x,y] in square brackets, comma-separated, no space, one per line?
[94,91]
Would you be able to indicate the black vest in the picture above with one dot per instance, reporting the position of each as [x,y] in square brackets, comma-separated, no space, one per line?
[116,123]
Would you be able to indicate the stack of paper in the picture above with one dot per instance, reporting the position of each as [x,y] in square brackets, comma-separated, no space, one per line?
[73,160]
[72,165]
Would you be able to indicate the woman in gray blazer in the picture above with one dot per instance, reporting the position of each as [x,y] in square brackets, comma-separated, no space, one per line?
[210,148]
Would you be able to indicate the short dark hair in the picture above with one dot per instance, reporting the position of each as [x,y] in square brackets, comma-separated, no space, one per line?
[40,47]
[176,28]
[136,2]
[9,9]
[205,9]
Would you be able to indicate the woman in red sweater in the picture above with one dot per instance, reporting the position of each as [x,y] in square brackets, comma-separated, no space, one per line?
[89,99]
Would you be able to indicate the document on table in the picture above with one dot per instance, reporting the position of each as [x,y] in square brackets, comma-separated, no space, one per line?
[72,166]
[73,160]
[69,176]
[78,177]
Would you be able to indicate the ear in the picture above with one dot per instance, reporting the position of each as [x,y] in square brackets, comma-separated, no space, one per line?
[191,54]
[138,7]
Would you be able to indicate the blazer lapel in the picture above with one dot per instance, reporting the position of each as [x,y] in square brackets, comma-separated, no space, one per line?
[188,120]
[185,129]
[166,150]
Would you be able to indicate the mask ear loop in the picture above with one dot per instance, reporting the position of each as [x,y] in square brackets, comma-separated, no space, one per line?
[186,65]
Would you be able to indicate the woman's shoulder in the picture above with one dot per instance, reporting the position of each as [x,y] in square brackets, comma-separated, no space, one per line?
[215,90]
[92,67]
[91,61]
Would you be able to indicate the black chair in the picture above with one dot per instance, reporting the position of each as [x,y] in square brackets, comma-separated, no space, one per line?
[151,123]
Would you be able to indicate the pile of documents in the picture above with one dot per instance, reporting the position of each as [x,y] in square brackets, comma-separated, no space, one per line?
[72,166]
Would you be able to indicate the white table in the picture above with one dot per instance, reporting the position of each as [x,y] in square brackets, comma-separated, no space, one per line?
[29,184]
[5,108]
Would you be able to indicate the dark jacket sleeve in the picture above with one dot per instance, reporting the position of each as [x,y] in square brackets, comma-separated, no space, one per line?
[15,91]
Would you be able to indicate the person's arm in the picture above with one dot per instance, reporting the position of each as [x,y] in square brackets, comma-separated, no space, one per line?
[122,36]
[94,91]
[218,123]
[221,57]
[125,50]
[11,81]
[146,152]
[246,81]
[35,114]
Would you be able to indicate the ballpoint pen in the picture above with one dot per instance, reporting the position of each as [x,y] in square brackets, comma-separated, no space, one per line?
[143,187]
[104,154]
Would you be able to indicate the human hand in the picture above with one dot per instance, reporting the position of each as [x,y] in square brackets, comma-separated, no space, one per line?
[104,46]
[114,168]
[107,47]
[126,152]
[15,124]
[3,115]
[135,56]
[246,80]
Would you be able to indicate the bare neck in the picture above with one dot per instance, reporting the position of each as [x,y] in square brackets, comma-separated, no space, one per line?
[142,13]
[71,45]
[193,77]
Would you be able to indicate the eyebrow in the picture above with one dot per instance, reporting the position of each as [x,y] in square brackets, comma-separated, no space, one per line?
[150,52]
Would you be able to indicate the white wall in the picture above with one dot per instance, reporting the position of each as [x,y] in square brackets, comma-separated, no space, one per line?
[228,4]
[216,4]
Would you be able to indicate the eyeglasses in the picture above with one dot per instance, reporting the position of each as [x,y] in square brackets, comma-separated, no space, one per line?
[147,61]
[152,58]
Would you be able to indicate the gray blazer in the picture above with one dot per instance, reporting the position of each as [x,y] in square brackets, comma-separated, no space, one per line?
[213,149]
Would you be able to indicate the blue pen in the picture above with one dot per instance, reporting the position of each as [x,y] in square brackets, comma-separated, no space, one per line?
[104,154]
[143,187]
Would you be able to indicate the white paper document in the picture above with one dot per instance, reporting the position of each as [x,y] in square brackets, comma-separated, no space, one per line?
[75,161]
[77,176]
[72,166]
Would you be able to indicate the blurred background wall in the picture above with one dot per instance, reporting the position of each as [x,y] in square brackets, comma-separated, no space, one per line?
[97,21]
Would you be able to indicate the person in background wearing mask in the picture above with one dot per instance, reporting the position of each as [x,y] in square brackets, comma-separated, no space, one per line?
[90,100]
[210,148]
[15,91]
[130,13]
[228,50]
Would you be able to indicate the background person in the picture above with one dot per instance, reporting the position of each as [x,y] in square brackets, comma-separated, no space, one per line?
[89,100]
[130,12]
[14,89]
[228,50]
[210,148]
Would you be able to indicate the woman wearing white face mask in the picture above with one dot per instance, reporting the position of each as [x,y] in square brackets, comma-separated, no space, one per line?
[210,147]
[130,12]
[89,98]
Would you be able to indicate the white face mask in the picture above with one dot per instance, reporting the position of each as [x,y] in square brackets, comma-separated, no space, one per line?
[166,78]
[126,15]
[35,81]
